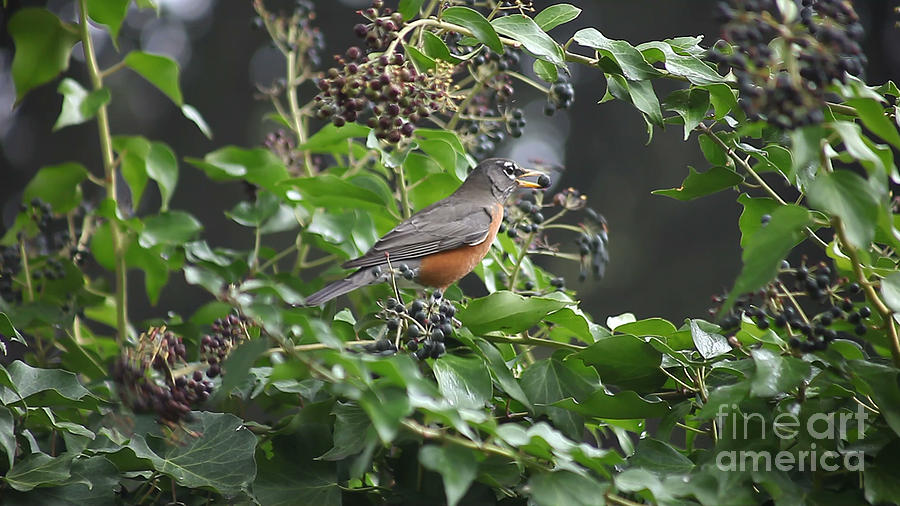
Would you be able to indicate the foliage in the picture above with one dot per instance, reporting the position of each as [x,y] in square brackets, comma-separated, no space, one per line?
[517,397]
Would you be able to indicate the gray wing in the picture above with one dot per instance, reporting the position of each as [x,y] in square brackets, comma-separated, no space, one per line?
[439,227]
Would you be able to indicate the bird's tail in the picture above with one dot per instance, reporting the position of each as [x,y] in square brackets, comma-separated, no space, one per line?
[356,280]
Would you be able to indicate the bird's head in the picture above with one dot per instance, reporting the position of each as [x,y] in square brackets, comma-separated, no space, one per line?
[503,176]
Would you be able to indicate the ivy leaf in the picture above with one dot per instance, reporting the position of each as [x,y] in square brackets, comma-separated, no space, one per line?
[352,431]
[331,139]
[258,166]
[43,44]
[422,61]
[110,13]
[409,8]
[776,374]
[750,221]
[93,482]
[501,372]
[476,23]
[555,15]
[43,387]
[507,311]
[623,405]
[848,196]
[190,112]
[659,457]
[7,434]
[626,361]
[709,344]
[629,59]
[523,29]
[890,291]
[464,382]
[386,407]
[8,331]
[546,71]
[436,48]
[219,457]
[38,469]
[872,115]
[161,71]
[691,105]
[173,227]
[565,487]
[698,184]
[78,105]
[457,465]
[58,185]
[688,66]
[548,381]
[291,477]
[879,382]
[854,143]
[766,249]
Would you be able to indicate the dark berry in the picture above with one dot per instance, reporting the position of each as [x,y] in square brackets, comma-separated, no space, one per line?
[865,312]
[860,329]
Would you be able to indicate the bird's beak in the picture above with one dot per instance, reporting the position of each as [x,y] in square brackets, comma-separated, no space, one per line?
[543,180]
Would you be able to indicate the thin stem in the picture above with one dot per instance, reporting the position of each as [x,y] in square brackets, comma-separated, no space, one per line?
[24,256]
[278,256]
[462,106]
[621,501]
[528,81]
[291,91]
[313,347]
[518,266]
[886,313]
[110,174]
[524,339]
[404,194]
[113,69]
[438,24]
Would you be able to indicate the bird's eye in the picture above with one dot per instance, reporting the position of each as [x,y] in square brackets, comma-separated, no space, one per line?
[510,170]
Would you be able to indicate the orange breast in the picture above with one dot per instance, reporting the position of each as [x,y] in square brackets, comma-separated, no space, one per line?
[442,269]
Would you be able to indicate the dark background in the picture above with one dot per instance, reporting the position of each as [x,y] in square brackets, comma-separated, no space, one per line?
[667,257]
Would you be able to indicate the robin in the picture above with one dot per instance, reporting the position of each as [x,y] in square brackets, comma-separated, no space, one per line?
[444,241]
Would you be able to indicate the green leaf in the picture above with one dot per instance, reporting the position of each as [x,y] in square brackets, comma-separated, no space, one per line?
[709,344]
[254,214]
[623,405]
[698,184]
[476,23]
[332,192]
[565,487]
[162,167]
[464,382]
[890,292]
[38,469]
[457,465]
[190,112]
[436,48]
[688,66]
[110,13]
[31,382]
[629,59]
[691,105]
[644,99]
[722,98]
[291,476]
[350,233]
[58,185]
[766,249]
[548,381]
[43,44]
[501,372]
[423,62]
[93,481]
[409,8]
[352,431]
[555,15]
[879,382]
[173,227]
[647,327]
[853,137]
[626,361]
[330,138]
[258,166]
[386,407]
[775,374]
[546,71]
[8,331]
[219,456]
[78,105]
[7,434]
[523,29]
[750,221]
[507,312]
[848,196]
[160,70]
[238,364]
[659,457]
[873,117]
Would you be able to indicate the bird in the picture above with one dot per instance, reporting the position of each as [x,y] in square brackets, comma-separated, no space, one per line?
[444,241]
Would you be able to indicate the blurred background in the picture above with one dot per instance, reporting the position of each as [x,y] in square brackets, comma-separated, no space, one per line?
[667,257]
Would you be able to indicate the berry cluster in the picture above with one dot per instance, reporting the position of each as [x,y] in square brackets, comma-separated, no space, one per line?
[423,327]
[227,333]
[788,89]
[593,246]
[382,27]
[833,314]
[561,96]
[10,266]
[387,91]
[146,383]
